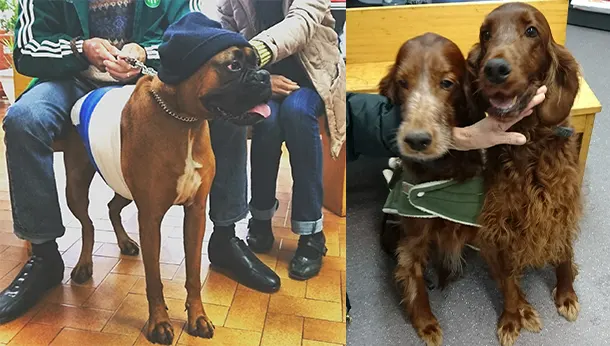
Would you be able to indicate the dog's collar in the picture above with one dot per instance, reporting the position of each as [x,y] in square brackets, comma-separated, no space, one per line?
[165,107]
[563,131]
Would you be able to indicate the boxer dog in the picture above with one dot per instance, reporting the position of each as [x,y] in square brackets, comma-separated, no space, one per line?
[164,158]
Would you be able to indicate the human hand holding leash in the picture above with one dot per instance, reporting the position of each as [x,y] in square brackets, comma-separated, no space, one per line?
[120,69]
[98,50]
[282,86]
[490,131]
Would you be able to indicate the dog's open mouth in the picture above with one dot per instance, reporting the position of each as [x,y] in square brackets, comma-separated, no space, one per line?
[506,106]
[503,105]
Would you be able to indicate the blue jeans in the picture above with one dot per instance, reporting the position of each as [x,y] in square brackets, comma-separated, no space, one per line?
[293,120]
[31,125]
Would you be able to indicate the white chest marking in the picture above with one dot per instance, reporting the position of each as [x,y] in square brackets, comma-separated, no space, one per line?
[189,182]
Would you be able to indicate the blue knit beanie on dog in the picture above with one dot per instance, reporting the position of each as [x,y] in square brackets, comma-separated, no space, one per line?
[191,42]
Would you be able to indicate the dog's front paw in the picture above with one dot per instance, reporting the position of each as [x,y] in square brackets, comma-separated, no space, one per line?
[82,272]
[201,327]
[509,328]
[567,304]
[432,334]
[160,332]
[530,318]
[129,247]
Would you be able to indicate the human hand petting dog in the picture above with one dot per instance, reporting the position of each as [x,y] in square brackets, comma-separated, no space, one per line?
[490,131]
[282,86]
[107,58]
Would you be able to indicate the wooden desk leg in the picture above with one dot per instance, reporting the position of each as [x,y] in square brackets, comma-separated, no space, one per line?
[584,146]
[334,176]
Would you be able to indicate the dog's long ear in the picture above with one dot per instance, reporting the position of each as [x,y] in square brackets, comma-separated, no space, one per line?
[388,87]
[476,103]
[562,83]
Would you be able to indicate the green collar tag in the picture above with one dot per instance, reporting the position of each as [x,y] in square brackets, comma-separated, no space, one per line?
[152,3]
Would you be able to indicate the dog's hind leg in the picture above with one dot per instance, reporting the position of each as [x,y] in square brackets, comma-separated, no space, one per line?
[198,323]
[79,173]
[412,255]
[564,295]
[115,206]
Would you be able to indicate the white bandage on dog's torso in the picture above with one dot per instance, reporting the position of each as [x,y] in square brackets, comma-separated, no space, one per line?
[97,117]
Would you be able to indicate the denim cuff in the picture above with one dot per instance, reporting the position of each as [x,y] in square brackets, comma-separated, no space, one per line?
[307,227]
[229,222]
[264,215]
[37,238]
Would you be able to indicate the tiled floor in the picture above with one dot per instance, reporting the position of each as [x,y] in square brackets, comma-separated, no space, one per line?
[111,308]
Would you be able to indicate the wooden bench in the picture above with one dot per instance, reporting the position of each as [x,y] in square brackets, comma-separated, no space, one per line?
[334,171]
[375,34]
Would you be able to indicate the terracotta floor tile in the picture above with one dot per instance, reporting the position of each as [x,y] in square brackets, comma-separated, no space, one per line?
[34,334]
[11,239]
[6,266]
[344,294]
[218,289]
[111,292]
[2,248]
[332,265]
[216,313]
[289,245]
[224,337]
[324,287]
[130,317]
[73,317]
[305,307]
[72,337]
[70,295]
[15,253]
[171,288]
[134,267]
[293,288]
[113,250]
[178,330]
[282,329]
[326,331]
[284,232]
[317,343]
[10,329]
[248,310]
[101,267]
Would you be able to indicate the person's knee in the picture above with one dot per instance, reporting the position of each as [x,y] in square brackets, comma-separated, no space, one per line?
[20,119]
[302,105]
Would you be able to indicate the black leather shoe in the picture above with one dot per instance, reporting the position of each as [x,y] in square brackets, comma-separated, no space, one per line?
[307,260]
[232,257]
[38,275]
[260,235]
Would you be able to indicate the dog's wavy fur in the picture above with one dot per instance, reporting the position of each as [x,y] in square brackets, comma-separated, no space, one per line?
[420,63]
[533,203]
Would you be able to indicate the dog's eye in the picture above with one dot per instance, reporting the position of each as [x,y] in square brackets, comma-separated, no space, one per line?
[531,32]
[446,84]
[403,84]
[485,35]
[234,66]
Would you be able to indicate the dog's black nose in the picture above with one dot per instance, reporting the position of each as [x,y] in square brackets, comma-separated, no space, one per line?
[261,76]
[497,70]
[418,141]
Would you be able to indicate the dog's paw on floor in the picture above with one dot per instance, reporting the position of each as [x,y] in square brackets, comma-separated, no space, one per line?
[530,319]
[82,272]
[509,328]
[431,334]
[202,327]
[161,332]
[567,305]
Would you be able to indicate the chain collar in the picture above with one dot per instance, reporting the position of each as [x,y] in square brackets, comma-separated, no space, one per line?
[165,107]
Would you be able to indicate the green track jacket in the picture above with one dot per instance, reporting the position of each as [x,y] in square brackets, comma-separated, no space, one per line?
[46,27]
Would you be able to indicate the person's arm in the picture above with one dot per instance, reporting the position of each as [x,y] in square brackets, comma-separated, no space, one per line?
[225,12]
[372,122]
[294,32]
[42,49]
[175,11]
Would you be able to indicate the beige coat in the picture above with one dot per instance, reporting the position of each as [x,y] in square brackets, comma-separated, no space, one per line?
[307,32]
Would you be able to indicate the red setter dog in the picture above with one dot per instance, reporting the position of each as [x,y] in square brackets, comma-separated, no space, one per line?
[533,204]
[428,81]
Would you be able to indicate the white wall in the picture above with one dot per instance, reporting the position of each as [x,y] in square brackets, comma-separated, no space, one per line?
[208,8]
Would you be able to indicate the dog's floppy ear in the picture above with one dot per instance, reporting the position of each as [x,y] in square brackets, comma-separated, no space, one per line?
[388,87]
[476,103]
[562,83]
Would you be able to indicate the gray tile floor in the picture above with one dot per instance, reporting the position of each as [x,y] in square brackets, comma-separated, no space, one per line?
[468,310]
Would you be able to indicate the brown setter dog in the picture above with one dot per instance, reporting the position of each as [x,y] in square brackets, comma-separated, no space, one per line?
[533,204]
[428,82]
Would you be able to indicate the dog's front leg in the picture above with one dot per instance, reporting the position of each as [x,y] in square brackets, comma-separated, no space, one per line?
[194,227]
[159,326]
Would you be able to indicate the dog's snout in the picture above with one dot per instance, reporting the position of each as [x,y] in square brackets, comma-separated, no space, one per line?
[418,141]
[261,76]
[497,70]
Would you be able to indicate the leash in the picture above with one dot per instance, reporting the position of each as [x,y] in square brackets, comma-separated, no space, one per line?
[149,71]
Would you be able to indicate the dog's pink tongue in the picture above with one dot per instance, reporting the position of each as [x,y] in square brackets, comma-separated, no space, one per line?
[498,103]
[263,109]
